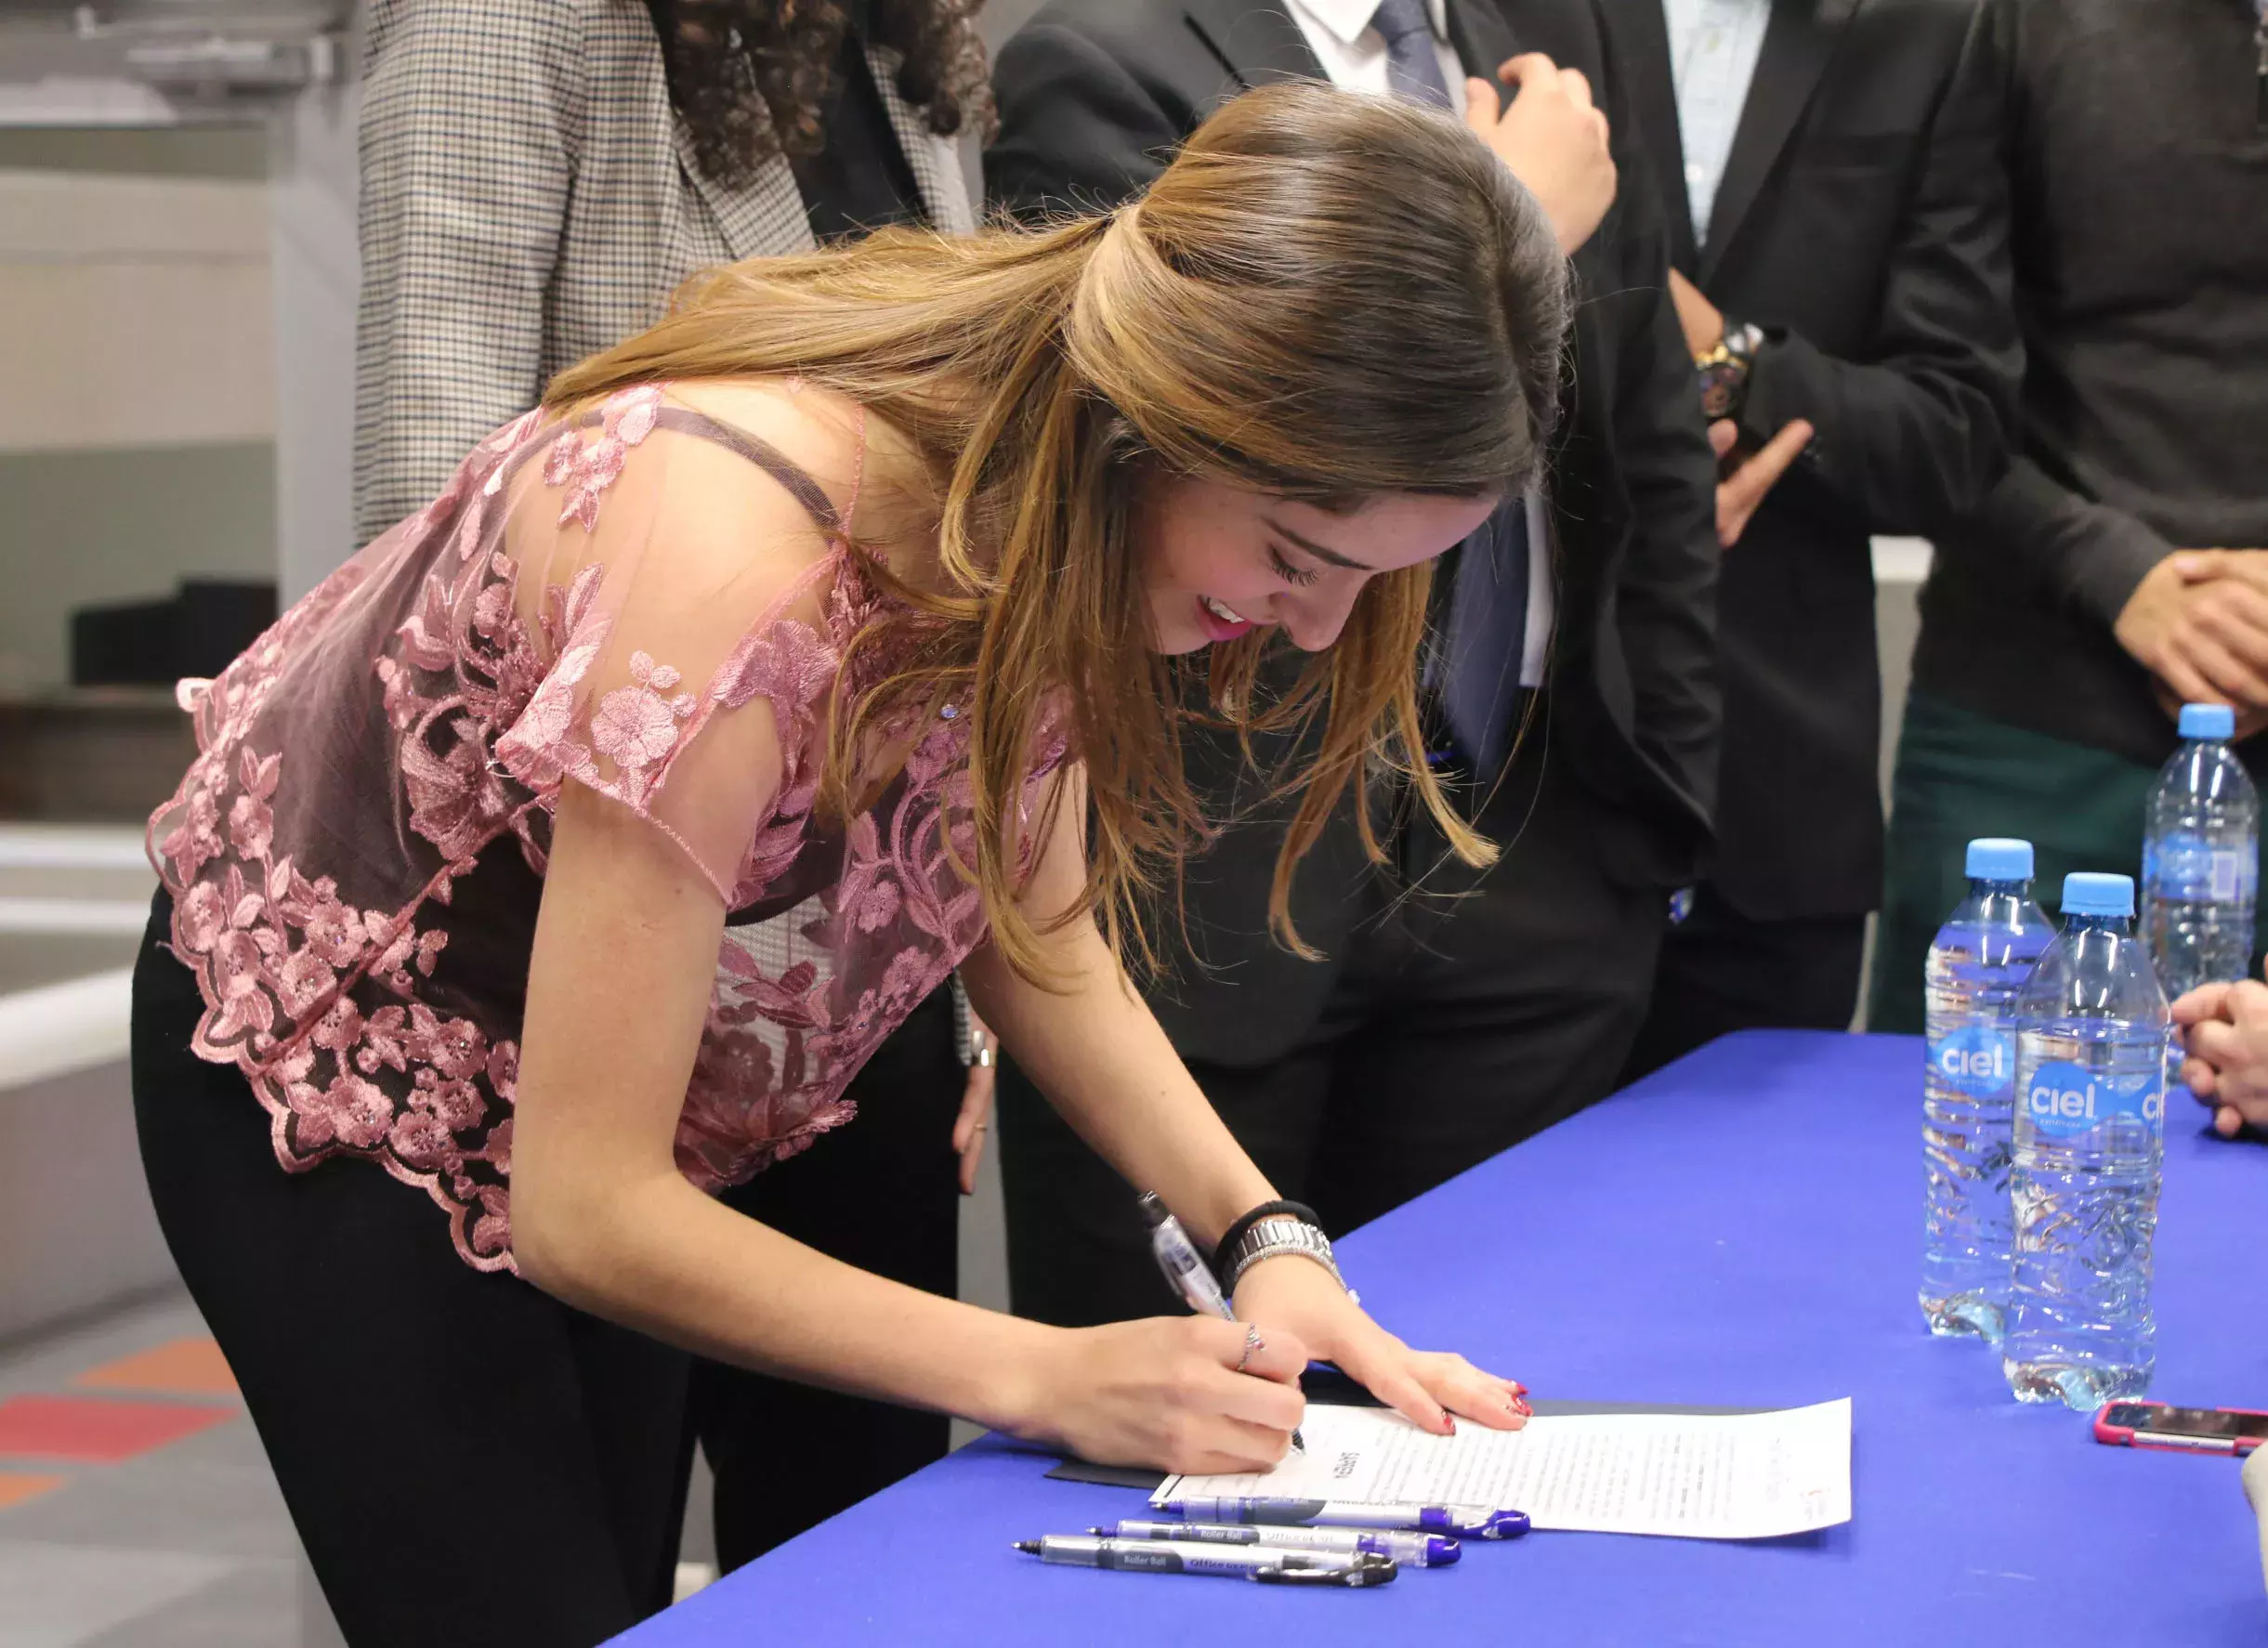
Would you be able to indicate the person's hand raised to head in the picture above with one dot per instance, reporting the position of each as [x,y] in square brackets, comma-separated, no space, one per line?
[1551,139]
[2224,1031]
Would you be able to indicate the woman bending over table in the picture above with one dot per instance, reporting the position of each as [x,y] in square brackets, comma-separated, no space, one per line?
[566,853]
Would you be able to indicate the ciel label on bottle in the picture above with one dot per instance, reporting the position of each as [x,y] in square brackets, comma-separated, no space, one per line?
[2064,1100]
[1979,1060]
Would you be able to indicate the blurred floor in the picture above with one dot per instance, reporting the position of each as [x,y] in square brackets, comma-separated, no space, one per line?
[137,1509]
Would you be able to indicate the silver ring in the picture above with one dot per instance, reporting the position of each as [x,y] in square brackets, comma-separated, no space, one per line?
[1253,1343]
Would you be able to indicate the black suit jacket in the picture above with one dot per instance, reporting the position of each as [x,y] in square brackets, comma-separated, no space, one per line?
[1862,222]
[1094,95]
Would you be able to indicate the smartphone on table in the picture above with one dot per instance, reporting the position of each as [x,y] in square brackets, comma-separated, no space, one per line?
[2189,1430]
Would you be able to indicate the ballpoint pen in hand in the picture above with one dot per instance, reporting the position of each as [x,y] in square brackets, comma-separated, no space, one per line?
[1187,1271]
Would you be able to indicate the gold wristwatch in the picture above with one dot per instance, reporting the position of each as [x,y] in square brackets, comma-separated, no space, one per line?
[1724,370]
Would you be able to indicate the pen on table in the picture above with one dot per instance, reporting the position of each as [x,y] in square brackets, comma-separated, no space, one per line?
[1420,1551]
[1475,1522]
[1187,1272]
[1354,1570]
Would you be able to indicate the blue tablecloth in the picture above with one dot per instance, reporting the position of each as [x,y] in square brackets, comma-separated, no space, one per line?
[1741,1228]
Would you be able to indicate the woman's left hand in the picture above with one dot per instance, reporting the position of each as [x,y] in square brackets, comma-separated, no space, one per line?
[1427,1387]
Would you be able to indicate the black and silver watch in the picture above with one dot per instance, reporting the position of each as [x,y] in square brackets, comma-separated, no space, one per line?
[1271,1236]
[1724,370]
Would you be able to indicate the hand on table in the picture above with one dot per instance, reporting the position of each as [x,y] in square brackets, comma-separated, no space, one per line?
[1742,488]
[2224,1031]
[1551,139]
[2198,622]
[976,1118]
[1290,1293]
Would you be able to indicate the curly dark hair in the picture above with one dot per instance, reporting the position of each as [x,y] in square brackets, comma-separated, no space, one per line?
[752,77]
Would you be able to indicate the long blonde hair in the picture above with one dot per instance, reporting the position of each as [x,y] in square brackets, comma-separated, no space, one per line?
[1326,296]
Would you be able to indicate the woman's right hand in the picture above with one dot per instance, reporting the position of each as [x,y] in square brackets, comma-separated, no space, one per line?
[1165,1392]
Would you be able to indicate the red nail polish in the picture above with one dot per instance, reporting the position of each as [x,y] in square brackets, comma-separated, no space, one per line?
[1448,1423]
[1518,1389]
[1519,1406]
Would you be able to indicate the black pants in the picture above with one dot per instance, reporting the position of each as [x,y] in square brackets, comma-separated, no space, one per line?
[1455,1028]
[881,1194]
[1722,972]
[465,1456]
[467,1459]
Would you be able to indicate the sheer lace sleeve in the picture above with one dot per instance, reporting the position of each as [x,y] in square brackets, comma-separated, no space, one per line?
[669,571]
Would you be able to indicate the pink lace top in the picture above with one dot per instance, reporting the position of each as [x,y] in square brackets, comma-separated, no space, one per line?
[356,855]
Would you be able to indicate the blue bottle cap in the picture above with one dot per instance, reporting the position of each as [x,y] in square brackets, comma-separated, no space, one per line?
[2208,721]
[2089,894]
[1999,858]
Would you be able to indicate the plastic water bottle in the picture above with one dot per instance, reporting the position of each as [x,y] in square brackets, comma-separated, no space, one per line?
[2090,1132]
[1979,961]
[2200,857]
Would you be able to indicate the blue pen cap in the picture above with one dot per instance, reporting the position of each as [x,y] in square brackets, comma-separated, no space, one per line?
[1999,858]
[2089,894]
[2208,721]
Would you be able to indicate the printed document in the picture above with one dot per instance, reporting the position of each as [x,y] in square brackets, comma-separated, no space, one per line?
[1698,1477]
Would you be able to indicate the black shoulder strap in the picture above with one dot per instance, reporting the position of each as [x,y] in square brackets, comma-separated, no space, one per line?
[763,455]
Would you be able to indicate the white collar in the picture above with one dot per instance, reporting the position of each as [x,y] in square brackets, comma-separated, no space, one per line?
[1345,20]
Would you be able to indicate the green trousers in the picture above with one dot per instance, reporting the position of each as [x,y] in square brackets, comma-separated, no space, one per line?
[1961,775]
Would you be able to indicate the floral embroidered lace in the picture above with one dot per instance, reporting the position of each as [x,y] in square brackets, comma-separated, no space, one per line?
[356,855]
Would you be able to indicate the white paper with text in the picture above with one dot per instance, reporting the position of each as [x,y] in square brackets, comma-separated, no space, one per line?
[1698,1477]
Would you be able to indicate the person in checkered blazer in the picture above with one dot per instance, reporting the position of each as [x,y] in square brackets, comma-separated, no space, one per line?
[536,180]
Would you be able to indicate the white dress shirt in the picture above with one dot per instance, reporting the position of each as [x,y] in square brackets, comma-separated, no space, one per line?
[1714,48]
[1354,55]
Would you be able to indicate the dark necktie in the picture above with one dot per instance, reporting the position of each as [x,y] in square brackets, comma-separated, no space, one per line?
[1476,677]
[1413,67]
[1476,674]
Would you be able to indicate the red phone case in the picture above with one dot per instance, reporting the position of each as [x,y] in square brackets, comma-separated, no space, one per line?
[2132,1436]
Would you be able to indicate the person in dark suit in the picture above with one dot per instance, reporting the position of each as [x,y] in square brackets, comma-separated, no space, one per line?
[1450,1014]
[1839,224]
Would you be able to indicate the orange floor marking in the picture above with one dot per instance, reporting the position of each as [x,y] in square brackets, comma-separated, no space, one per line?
[185,1368]
[15,1486]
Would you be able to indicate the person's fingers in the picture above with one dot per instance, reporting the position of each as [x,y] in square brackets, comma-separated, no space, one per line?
[1772,460]
[1600,129]
[1528,67]
[2200,1079]
[1483,108]
[1741,493]
[2232,680]
[2195,566]
[1262,1404]
[1280,1355]
[2248,567]
[2207,1001]
[2228,1121]
[2178,673]
[973,1121]
[2220,1044]
[2237,616]
[1384,1369]
[1577,85]
[1464,1389]
[1723,435]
